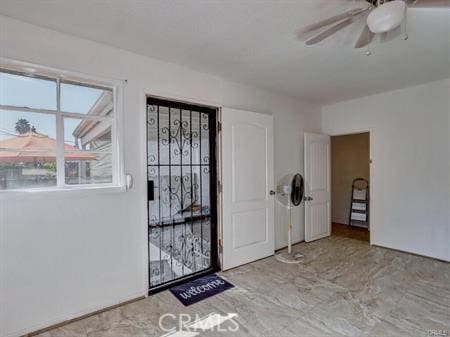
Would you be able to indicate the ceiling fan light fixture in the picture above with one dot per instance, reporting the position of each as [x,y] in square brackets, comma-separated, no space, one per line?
[386,17]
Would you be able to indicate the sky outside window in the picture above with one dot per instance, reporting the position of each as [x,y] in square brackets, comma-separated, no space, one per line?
[75,98]
[22,91]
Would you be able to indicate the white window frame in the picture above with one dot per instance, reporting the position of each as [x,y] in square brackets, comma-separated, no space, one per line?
[62,76]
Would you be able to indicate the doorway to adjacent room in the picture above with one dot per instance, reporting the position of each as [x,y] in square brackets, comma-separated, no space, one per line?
[350,185]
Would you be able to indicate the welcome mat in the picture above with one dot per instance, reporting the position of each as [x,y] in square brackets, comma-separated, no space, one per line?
[199,289]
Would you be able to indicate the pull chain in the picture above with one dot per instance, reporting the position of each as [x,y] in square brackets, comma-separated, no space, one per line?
[405,25]
[368,51]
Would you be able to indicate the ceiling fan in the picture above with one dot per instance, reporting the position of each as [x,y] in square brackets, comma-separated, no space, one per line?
[383,17]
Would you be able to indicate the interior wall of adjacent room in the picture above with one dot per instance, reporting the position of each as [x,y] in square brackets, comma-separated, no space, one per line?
[409,131]
[349,160]
[62,256]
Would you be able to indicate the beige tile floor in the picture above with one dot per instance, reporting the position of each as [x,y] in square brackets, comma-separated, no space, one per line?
[343,287]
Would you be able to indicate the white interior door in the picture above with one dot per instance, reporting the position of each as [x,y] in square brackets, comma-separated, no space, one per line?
[317,186]
[247,178]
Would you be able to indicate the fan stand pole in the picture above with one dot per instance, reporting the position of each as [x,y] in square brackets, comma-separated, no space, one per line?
[290,229]
[289,257]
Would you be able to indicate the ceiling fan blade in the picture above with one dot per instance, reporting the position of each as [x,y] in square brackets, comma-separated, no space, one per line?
[365,37]
[305,32]
[330,31]
[391,35]
[429,3]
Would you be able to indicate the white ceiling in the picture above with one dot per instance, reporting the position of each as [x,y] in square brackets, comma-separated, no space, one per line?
[254,42]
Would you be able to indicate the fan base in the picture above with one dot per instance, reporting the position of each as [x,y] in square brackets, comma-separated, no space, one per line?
[286,257]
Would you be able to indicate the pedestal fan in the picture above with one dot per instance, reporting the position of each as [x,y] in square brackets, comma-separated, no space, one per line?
[290,191]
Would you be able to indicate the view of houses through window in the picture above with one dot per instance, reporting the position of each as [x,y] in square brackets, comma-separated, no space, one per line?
[54,133]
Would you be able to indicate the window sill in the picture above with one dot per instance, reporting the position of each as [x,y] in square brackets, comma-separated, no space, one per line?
[62,191]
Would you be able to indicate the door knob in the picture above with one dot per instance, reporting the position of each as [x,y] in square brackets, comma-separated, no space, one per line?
[309,198]
[272,192]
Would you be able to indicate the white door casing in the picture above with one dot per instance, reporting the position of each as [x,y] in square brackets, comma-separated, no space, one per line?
[247,178]
[317,186]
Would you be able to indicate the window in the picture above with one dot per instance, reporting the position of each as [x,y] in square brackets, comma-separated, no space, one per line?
[56,132]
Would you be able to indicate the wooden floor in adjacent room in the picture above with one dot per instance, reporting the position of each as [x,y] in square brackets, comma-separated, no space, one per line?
[352,232]
[342,288]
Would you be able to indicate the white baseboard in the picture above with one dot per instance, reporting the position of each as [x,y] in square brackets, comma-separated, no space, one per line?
[66,319]
[411,252]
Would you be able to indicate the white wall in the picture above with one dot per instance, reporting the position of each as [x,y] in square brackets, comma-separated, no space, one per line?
[410,182]
[66,255]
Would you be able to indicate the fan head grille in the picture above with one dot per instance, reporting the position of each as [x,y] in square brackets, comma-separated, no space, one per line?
[376,2]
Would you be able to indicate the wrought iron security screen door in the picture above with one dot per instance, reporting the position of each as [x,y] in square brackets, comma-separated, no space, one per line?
[182,215]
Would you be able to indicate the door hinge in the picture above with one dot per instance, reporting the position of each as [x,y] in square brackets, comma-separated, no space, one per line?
[219,187]
[219,126]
